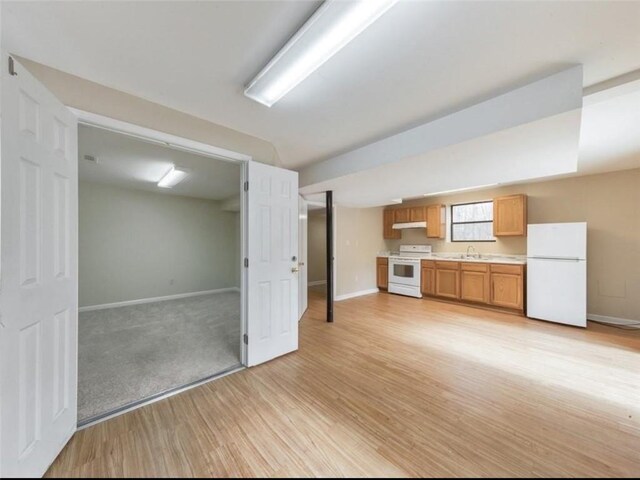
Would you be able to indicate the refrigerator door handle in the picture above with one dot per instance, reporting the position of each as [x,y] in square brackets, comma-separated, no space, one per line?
[565,259]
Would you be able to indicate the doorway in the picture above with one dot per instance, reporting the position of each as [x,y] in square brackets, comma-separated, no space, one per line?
[317,250]
[159,270]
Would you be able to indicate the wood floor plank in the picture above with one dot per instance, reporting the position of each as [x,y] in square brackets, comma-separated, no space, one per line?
[395,387]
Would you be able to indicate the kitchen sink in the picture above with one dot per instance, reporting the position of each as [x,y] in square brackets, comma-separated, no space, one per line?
[461,256]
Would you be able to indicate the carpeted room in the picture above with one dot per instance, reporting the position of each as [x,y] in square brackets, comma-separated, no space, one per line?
[159,270]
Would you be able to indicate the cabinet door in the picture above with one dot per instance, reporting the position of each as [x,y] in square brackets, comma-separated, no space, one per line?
[435,221]
[417,214]
[401,215]
[448,283]
[428,280]
[388,232]
[510,216]
[474,286]
[507,290]
[383,275]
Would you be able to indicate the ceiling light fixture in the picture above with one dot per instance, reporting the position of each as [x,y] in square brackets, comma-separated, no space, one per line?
[329,29]
[460,190]
[172,178]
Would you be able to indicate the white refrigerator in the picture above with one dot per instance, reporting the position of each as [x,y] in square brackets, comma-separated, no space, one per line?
[557,272]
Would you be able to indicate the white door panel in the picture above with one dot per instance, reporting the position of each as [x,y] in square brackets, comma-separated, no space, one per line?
[557,291]
[272,320]
[38,290]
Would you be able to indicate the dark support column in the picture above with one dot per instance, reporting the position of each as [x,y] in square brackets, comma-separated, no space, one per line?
[329,207]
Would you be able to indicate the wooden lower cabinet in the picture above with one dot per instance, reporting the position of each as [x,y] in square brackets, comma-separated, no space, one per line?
[507,286]
[498,285]
[475,283]
[428,278]
[382,272]
[447,282]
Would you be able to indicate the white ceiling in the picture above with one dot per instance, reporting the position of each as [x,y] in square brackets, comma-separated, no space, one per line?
[418,62]
[132,163]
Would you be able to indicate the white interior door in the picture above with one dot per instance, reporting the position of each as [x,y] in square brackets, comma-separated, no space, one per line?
[39,288]
[272,317]
[303,248]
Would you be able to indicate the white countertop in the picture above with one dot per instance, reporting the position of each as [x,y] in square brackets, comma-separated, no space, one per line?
[461,257]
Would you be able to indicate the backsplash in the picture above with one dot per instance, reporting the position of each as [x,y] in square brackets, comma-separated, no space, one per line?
[505,245]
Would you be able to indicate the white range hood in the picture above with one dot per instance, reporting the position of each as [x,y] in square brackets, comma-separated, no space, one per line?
[402,226]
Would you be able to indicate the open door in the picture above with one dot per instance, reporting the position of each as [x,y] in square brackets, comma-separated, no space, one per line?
[272,315]
[303,248]
[39,286]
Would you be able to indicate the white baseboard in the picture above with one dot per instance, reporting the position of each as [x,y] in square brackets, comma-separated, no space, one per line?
[316,283]
[141,301]
[627,322]
[346,296]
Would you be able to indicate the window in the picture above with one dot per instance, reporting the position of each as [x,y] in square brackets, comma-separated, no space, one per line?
[472,222]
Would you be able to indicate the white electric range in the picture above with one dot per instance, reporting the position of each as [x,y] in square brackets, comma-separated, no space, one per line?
[404,270]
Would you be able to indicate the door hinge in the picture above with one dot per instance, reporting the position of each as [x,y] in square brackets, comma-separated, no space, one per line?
[12,67]
[246,186]
[246,263]
[245,337]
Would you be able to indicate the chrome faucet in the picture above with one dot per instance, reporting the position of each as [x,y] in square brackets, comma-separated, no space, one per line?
[471,247]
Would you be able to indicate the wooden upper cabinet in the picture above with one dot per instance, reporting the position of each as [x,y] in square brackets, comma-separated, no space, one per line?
[417,214]
[401,215]
[436,221]
[510,216]
[387,221]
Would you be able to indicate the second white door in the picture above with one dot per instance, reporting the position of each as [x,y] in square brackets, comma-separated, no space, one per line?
[272,319]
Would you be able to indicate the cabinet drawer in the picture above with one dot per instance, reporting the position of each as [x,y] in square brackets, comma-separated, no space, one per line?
[475,267]
[447,265]
[428,264]
[382,260]
[502,268]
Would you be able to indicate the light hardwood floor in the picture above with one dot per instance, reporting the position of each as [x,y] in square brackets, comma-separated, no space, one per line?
[396,387]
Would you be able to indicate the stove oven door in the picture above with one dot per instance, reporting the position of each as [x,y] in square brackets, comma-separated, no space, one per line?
[404,272]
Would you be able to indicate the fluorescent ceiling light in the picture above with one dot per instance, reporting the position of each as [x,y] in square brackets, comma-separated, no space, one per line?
[172,178]
[460,190]
[329,29]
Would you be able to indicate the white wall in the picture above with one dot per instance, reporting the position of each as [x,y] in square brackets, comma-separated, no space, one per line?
[358,241]
[92,97]
[135,244]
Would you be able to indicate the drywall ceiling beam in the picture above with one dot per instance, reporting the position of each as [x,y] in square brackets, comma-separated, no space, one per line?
[550,96]
[614,87]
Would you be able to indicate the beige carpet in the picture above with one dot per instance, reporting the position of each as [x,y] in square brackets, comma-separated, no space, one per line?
[127,354]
